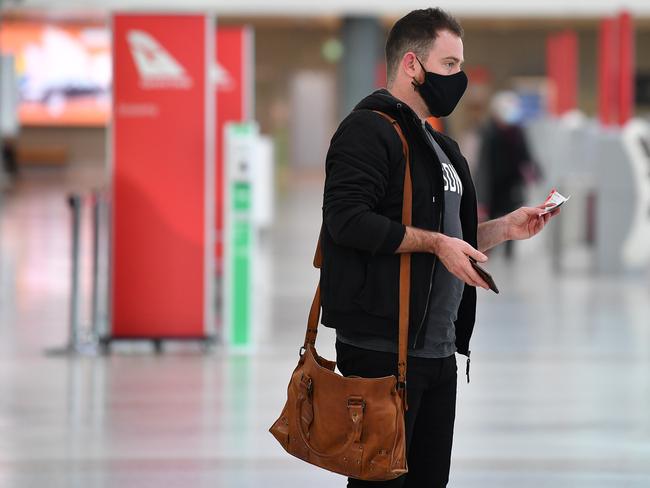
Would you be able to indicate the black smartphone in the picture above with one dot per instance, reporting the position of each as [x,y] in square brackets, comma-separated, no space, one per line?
[487,277]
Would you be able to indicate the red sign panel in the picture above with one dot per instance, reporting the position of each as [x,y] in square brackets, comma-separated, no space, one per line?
[159,176]
[607,71]
[562,71]
[234,81]
[626,56]
[616,70]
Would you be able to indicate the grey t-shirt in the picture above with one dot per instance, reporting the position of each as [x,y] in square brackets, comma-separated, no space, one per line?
[447,291]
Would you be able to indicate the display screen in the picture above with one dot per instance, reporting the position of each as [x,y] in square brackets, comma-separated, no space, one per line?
[63,71]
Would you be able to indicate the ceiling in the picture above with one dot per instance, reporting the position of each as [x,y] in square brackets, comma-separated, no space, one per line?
[306,8]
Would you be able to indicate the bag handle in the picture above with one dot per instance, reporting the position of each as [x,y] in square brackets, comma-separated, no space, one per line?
[404,276]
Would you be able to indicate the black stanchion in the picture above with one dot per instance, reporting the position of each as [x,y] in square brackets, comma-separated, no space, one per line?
[79,341]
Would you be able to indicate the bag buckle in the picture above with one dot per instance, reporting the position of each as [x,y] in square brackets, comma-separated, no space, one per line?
[356,402]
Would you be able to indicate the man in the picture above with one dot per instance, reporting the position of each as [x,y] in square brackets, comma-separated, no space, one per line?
[363,236]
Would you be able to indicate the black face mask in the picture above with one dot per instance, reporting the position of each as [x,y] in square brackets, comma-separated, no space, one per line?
[441,93]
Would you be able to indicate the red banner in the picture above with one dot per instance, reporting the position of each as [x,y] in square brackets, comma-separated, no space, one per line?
[562,71]
[607,71]
[616,53]
[626,55]
[159,264]
[234,53]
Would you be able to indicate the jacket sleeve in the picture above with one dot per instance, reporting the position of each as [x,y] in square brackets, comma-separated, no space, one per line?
[358,168]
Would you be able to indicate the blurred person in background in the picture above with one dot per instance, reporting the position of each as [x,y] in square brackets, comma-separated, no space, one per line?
[9,158]
[363,237]
[505,166]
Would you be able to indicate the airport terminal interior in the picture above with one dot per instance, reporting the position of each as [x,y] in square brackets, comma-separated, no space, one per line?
[142,345]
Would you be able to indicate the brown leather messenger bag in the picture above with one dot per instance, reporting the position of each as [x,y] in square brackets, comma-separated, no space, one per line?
[350,425]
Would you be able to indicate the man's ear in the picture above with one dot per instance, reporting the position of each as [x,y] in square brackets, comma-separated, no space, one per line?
[410,64]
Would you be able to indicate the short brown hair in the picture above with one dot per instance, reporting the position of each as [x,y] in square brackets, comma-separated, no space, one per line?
[416,32]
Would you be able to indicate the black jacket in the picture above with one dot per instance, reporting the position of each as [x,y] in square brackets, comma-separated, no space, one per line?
[362,205]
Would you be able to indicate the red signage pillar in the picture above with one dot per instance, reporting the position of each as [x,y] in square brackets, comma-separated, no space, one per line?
[162,152]
[607,70]
[562,71]
[616,70]
[234,103]
[626,68]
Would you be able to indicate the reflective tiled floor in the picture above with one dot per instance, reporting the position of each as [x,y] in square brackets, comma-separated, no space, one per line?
[560,391]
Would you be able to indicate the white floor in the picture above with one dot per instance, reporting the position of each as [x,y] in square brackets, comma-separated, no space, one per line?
[560,391]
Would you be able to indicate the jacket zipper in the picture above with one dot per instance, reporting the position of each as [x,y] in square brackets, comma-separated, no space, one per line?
[426,308]
[433,267]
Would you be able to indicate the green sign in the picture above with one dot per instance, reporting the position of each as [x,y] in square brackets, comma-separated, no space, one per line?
[240,146]
[241,245]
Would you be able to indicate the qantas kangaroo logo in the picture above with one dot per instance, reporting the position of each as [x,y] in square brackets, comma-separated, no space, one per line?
[222,79]
[156,67]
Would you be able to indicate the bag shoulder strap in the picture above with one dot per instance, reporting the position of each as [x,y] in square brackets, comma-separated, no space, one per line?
[404,275]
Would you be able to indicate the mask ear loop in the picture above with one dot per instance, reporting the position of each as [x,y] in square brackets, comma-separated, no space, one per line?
[414,82]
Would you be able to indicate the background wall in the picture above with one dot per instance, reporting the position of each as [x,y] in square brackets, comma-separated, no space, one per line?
[287,46]
[83,145]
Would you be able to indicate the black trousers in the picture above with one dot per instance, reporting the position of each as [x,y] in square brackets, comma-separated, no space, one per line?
[431,397]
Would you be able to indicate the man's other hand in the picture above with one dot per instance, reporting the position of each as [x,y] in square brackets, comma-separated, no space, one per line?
[526,222]
[454,254]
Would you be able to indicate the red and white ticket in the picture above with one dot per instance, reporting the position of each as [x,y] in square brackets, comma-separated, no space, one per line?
[554,200]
